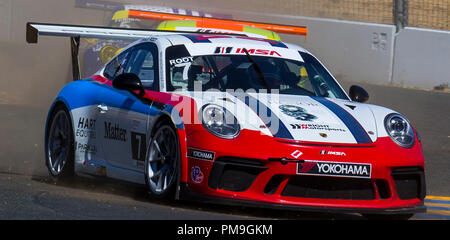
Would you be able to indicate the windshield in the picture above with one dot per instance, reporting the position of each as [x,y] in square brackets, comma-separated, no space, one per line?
[241,72]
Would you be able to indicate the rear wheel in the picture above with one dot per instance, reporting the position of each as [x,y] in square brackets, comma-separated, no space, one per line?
[60,144]
[161,164]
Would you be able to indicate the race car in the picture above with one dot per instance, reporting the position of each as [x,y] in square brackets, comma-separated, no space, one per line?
[232,119]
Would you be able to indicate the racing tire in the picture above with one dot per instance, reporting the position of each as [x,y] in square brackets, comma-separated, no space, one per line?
[388,216]
[162,162]
[59,144]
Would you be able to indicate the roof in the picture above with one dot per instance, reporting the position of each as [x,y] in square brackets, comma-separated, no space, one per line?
[214,41]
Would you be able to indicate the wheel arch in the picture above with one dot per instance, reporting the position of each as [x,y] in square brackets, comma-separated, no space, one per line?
[57,102]
[60,104]
[181,133]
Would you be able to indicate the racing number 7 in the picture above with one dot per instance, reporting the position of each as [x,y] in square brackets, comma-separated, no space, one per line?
[138,146]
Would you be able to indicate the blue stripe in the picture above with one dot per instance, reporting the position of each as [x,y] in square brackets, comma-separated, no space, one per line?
[355,128]
[272,43]
[279,132]
[195,38]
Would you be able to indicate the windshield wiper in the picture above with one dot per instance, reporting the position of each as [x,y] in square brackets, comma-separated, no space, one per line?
[258,70]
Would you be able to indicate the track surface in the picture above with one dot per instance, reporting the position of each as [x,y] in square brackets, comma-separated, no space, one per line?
[26,191]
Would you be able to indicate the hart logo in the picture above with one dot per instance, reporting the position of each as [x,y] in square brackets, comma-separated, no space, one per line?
[115,132]
[336,169]
[86,123]
[85,128]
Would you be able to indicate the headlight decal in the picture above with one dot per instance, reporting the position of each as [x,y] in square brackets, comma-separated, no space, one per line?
[400,130]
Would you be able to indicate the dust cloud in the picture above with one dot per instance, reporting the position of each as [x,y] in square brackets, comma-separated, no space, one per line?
[32,74]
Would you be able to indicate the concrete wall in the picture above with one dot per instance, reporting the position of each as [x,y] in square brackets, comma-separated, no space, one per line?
[366,52]
[422,58]
[33,74]
[352,51]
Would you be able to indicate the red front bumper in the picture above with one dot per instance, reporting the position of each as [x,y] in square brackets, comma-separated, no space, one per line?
[249,169]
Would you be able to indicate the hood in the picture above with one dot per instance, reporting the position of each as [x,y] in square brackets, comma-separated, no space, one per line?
[293,117]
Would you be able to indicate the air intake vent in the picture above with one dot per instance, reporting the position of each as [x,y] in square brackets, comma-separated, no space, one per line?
[234,174]
[329,188]
[409,182]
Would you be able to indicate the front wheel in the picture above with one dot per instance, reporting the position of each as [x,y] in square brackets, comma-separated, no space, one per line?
[161,164]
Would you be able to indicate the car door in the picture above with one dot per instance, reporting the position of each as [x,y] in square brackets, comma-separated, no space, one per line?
[124,118]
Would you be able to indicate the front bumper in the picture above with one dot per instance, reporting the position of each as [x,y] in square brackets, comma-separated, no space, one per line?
[186,194]
[250,171]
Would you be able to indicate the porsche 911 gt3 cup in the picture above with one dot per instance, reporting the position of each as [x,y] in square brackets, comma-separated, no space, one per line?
[234,120]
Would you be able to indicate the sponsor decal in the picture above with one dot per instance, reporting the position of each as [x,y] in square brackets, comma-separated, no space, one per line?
[85,147]
[206,39]
[102,171]
[252,51]
[86,123]
[206,30]
[200,154]
[150,39]
[324,152]
[85,128]
[296,154]
[223,49]
[115,132]
[297,112]
[335,169]
[310,126]
[181,60]
[197,174]
[259,52]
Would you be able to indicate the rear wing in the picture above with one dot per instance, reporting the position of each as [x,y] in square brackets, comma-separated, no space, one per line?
[210,22]
[34,30]
[75,32]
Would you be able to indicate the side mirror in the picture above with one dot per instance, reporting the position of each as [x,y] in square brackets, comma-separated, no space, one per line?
[358,94]
[129,82]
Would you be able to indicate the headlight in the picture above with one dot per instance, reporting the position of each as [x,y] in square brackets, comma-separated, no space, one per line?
[218,121]
[399,130]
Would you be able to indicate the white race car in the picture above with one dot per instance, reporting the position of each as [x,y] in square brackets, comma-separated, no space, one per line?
[232,119]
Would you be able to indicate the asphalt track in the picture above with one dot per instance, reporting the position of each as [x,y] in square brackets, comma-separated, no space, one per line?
[26,191]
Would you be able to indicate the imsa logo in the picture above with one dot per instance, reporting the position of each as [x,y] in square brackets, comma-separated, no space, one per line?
[336,169]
